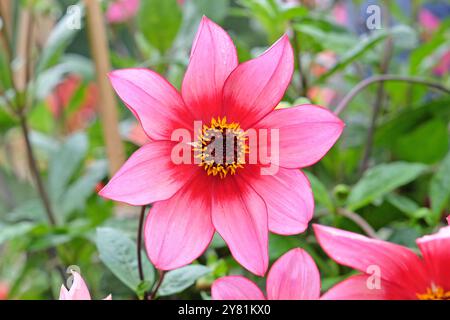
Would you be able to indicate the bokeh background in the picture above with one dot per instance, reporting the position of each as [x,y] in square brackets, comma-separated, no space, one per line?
[388,176]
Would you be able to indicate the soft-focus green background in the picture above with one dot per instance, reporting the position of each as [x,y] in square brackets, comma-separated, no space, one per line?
[402,195]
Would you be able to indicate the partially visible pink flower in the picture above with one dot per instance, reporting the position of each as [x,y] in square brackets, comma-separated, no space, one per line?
[402,273]
[340,14]
[448,219]
[428,20]
[120,11]
[137,135]
[78,290]
[193,200]
[294,276]
[443,65]
[4,291]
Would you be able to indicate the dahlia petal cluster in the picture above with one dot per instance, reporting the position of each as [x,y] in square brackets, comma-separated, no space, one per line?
[191,201]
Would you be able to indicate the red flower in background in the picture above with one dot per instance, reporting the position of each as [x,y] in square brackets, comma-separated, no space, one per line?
[61,97]
[403,274]
[4,291]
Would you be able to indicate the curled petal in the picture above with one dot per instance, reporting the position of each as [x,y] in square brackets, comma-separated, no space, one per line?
[177,231]
[78,290]
[257,86]
[149,175]
[213,58]
[240,216]
[235,288]
[294,276]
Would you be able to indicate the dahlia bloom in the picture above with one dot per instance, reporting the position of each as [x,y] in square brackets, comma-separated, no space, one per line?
[294,276]
[193,200]
[403,275]
[122,10]
[78,290]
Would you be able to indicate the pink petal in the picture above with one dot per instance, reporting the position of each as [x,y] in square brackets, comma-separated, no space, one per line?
[109,297]
[149,175]
[213,58]
[122,10]
[235,288]
[153,100]
[240,216]
[306,134]
[397,264]
[257,86]
[436,253]
[356,288]
[63,293]
[177,231]
[78,290]
[294,276]
[428,20]
[289,199]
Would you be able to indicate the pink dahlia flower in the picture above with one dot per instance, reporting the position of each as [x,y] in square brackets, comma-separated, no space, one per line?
[389,271]
[428,20]
[193,200]
[122,10]
[78,290]
[294,276]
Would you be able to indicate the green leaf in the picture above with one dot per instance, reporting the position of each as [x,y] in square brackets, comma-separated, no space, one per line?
[76,195]
[180,279]
[9,232]
[320,192]
[118,253]
[160,21]
[382,179]
[432,137]
[58,40]
[440,187]
[404,204]
[64,163]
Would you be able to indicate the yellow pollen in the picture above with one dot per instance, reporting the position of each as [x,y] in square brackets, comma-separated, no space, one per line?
[434,293]
[221,147]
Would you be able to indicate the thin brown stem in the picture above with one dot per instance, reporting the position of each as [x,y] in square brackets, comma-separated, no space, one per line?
[139,244]
[35,171]
[158,285]
[357,219]
[298,62]
[385,78]
[377,107]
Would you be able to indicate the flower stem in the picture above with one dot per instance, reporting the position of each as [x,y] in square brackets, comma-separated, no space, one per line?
[35,171]
[162,273]
[357,219]
[385,78]
[298,63]
[377,107]
[139,244]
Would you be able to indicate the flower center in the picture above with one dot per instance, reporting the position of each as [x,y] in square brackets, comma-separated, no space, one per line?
[434,293]
[221,147]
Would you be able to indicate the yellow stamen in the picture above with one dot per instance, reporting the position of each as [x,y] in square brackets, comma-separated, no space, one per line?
[230,160]
[434,293]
